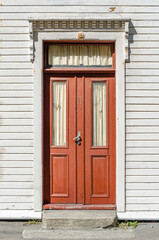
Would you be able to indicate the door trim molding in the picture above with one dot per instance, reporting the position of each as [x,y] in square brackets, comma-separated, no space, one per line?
[119,38]
[80,26]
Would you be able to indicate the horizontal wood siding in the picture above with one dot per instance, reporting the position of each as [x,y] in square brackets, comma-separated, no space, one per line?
[142,96]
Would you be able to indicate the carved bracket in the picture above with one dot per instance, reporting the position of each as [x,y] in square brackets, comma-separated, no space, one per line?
[113,25]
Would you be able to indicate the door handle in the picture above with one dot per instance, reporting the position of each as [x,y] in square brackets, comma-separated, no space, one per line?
[78,138]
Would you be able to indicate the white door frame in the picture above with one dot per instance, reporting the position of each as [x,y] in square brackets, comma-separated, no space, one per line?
[121,53]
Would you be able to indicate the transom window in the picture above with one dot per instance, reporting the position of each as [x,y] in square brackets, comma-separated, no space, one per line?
[80,55]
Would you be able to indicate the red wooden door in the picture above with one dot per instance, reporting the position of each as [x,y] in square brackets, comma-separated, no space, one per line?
[80,174]
[62,146]
[100,140]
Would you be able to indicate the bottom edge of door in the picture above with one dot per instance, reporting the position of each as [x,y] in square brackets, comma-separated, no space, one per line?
[78,207]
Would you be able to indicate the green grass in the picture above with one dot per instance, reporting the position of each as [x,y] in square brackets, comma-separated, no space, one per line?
[34,221]
[127,224]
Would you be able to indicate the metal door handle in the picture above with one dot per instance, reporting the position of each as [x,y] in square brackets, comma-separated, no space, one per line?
[78,138]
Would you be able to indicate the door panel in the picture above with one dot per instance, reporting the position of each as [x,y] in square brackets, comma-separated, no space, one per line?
[99,133]
[62,147]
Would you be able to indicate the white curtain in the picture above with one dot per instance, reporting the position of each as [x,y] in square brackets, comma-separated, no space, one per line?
[99,114]
[80,55]
[59,114]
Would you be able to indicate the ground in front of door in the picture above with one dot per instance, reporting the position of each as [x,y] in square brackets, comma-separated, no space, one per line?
[31,230]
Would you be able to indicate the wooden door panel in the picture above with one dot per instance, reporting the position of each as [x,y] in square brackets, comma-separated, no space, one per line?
[59,177]
[62,146]
[99,155]
[99,176]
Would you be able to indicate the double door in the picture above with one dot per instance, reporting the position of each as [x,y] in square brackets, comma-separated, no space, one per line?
[79,139]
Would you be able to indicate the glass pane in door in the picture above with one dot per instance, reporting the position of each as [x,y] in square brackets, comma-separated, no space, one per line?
[99,114]
[59,114]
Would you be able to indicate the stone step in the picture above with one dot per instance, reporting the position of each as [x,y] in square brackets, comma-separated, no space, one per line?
[91,234]
[78,219]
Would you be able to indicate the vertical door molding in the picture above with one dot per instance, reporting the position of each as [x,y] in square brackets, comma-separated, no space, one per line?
[119,38]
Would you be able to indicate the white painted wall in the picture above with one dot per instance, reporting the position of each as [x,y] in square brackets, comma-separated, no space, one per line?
[17,103]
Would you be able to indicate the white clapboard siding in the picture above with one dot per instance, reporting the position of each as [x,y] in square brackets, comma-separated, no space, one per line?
[16,136]
[142,150]
[142,186]
[17,101]
[16,206]
[14,143]
[14,30]
[82,2]
[15,199]
[143,65]
[16,108]
[4,150]
[142,193]
[143,58]
[13,51]
[142,108]
[16,122]
[145,129]
[145,44]
[16,164]
[80,8]
[133,144]
[144,24]
[142,100]
[150,30]
[16,192]
[17,157]
[15,58]
[139,93]
[12,23]
[77,9]
[16,96]
[17,185]
[16,115]
[140,72]
[142,115]
[142,79]
[16,93]
[142,172]
[144,51]
[16,87]
[142,179]
[17,178]
[70,14]
[137,122]
[17,44]
[14,37]
[144,157]
[142,136]
[17,129]
[16,65]
[17,79]
[142,200]
[15,72]
[142,207]
[142,86]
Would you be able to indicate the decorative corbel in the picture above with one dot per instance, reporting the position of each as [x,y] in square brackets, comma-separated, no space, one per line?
[31,42]
[126,41]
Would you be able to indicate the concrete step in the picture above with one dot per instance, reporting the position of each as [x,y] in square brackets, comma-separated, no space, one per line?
[78,219]
[92,234]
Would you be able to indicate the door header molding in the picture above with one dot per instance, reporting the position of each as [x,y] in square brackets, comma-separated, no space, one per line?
[85,25]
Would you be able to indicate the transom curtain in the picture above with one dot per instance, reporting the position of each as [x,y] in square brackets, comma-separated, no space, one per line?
[80,55]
